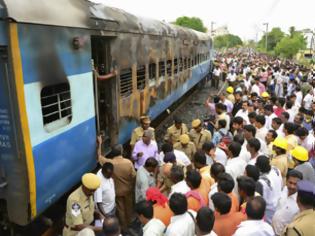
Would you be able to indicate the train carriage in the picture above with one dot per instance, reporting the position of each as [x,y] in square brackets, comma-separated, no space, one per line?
[70,69]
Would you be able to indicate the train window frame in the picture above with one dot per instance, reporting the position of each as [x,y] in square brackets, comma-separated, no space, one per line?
[162,68]
[180,65]
[56,106]
[169,68]
[141,75]
[189,63]
[176,66]
[185,64]
[152,71]
[125,82]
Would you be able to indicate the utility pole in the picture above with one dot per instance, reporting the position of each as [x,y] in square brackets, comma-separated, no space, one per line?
[266,36]
[212,28]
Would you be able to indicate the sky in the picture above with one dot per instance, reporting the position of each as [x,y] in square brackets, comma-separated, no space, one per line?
[244,18]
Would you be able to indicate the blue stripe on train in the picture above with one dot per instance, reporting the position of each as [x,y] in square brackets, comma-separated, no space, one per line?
[61,161]
[198,73]
[48,55]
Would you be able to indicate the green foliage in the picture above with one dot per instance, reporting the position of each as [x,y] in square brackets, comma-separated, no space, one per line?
[274,37]
[290,45]
[191,22]
[227,41]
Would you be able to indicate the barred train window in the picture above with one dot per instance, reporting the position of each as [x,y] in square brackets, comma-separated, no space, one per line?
[56,106]
[152,71]
[181,65]
[140,77]
[162,68]
[175,66]
[169,68]
[125,82]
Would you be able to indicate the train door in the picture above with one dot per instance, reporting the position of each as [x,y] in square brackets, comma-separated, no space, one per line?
[105,90]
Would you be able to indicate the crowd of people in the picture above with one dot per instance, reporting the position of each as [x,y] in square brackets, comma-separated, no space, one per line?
[246,170]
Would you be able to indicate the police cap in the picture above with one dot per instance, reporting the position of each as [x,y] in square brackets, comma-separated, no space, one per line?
[91,181]
[306,187]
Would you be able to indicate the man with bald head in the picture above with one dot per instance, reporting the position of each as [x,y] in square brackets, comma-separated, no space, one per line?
[111,226]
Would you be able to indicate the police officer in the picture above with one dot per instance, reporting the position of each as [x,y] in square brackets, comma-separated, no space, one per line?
[186,146]
[198,134]
[137,133]
[175,131]
[303,223]
[80,206]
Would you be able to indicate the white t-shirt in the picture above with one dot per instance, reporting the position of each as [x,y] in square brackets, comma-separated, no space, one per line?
[308,100]
[255,89]
[105,194]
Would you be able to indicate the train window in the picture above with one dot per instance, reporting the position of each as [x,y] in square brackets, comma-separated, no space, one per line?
[189,63]
[152,71]
[185,64]
[180,67]
[162,68]
[169,68]
[125,82]
[175,66]
[56,106]
[140,77]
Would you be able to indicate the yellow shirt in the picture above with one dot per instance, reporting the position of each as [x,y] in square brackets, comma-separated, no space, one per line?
[173,133]
[189,149]
[80,210]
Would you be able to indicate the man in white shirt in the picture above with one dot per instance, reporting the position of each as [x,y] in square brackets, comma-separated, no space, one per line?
[235,165]
[183,221]
[243,112]
[308,100]
[177,176]
[305,139]
[104,196]
[261,130]
[205,222]
[271,181]
[253,147]
[287,207]
[255,225]
[145,178]
[269,115]
[151,226]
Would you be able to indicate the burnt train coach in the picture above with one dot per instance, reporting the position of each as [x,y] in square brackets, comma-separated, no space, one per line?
[71,69]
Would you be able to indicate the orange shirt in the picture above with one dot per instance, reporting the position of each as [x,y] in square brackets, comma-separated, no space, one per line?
[205,174]
[225,225]
[164,214]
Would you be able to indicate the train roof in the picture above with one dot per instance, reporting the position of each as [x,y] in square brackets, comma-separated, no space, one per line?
[86,14]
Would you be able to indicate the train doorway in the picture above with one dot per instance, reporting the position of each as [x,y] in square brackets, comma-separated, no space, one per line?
[105,90]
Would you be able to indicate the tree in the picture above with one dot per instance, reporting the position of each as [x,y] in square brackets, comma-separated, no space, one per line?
[191,22]
[274,37]
[290,45]
[227,41]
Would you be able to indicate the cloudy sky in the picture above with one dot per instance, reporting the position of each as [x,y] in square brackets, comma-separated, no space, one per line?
[243,17]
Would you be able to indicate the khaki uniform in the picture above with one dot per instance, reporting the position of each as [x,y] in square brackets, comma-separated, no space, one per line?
[80,210]
[302,225]
[231,98]
[173,133]
[189,149]
[281,162]
[137,134]
[199,138]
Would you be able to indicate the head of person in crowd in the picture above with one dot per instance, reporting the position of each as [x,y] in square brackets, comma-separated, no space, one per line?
[221,124]
[253,146]
[299,155]
[246,187]
[301,133]
[222,203]
[293,96]
[107,170]
[90,182]
[178,204]
[177,174]
[216,169]
[306,195]
[116,151]
[250,108]
[144,211]
[268,109]
[288,105]
[265,96]
[249,132]
[184,140]
[204,221]
[244,105]
[111,226]
[154,195]
[301,111]
[260,121]
[280,102]
[225,183]
[193,179]
[271,136]
[239,138]
[238,96]
[280,146]
[289,128]
[220,108]
[293,177]
[276,123]
[178,122]
[216,99]
[252,117]
[200,159]
[263,164]
[147,136]
[284,117]
[298,119]
[167,147]
[308,115]
[223,96]
[209,149]
[169,157]
[197,125]
[234,149]
[252,172]
[255,208]
[145,122]
[237,123]
[253,96]
[151,165]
